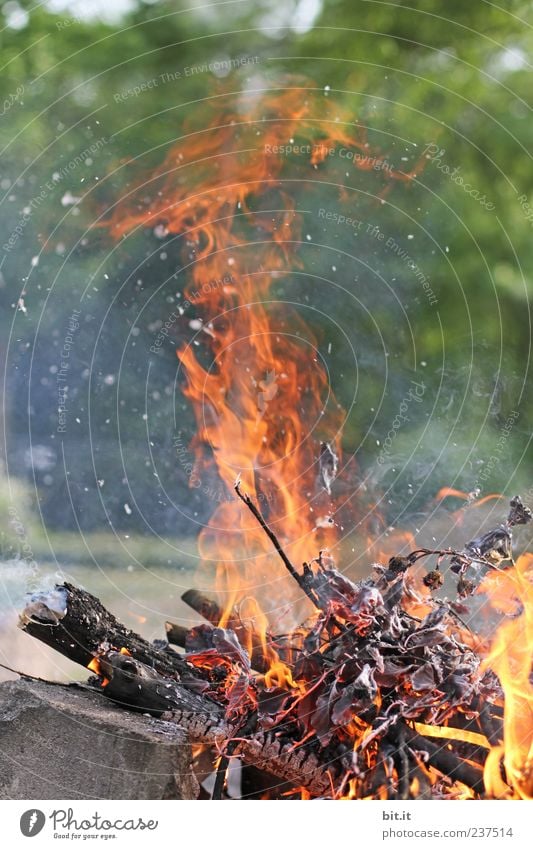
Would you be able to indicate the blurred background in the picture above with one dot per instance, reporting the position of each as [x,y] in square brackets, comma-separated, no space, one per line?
[94,93]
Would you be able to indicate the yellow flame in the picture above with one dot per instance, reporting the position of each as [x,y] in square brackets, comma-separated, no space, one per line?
[462,734]
[510,659]
[94,666]
[279,675]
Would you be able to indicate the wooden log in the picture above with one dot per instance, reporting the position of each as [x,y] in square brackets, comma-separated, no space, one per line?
[76,624]
[441,758]
[210,611]
[176,634]
[204,606]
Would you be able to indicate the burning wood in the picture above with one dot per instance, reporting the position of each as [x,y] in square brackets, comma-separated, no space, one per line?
[383,691]
[366,700]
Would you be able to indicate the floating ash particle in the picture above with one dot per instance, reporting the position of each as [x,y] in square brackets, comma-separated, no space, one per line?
[328,463]
[69,199]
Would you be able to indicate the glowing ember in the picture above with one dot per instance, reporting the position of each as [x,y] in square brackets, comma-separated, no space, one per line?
[449,733]
[94,666]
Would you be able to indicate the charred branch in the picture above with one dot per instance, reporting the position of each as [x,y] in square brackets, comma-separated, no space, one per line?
[440,757]
[204,606]
[77,625]
[176,634]
[212,613]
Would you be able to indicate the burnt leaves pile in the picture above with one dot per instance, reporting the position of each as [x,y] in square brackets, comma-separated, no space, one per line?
[379,656]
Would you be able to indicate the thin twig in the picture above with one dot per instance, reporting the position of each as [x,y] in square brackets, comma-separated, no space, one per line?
[226,754]
[402,767]
[275,542]
[413,556]
[27,675]
[222,771]
[76,684]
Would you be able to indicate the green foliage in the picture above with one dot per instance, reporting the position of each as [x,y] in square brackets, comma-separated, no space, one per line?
[445,73]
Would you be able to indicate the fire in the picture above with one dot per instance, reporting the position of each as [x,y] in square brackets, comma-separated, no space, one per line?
[257,381]
[449,733]
[94,666]
[510,658]
[261,397]
[279,675]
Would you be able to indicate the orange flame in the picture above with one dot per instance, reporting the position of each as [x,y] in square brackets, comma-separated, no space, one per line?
[260,393]
[510,657]
[94,666]
[279,675]
[261,398]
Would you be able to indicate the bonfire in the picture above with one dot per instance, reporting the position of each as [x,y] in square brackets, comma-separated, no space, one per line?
[379,688]
[365,701]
